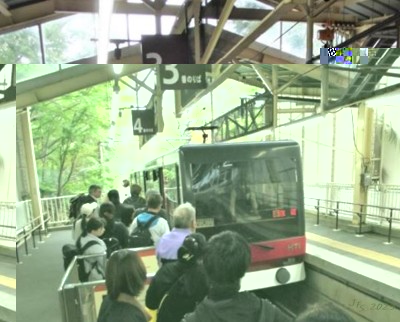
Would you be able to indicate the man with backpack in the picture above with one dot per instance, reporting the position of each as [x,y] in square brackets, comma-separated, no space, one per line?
[79,200]
[148,227]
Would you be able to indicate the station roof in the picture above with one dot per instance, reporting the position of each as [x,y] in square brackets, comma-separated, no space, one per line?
[362,23]
[347,84]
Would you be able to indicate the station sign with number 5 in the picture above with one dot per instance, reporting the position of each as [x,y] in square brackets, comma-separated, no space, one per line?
[183,76]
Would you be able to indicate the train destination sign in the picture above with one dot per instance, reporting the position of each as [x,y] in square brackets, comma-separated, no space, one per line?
[143,122]
[183,76]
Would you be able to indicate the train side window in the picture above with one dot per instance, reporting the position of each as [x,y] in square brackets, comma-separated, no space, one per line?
[171,187]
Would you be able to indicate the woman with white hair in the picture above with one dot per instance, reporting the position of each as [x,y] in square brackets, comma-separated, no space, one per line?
[184,222]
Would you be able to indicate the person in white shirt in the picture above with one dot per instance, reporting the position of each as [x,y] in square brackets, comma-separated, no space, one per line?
[159,226]
[88,210]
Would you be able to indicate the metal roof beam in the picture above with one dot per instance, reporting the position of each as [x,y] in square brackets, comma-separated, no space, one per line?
[265,80]
[16,24]
[66,81]
[79,6]
[185,14]
[259,14]
[34,11]
[336,79]
[143,84]
[263,26]
[217,31]
[372,94]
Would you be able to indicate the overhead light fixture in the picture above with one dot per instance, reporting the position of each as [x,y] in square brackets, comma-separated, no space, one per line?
[117,68]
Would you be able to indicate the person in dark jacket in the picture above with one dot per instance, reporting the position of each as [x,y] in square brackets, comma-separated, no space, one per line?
[113,229]
[93,195]
[135,199]
[226,261]
[113,197]
[191,288]
[179,285]
[125,279]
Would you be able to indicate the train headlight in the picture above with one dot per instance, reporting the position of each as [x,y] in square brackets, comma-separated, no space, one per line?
[282,275]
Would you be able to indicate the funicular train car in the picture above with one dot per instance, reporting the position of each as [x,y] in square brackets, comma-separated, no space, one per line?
[255,189]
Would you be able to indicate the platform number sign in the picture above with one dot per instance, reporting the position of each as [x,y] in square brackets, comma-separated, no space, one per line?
[143,122]
[183,76]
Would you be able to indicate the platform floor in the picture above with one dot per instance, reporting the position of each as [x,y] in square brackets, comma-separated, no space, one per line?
[40,274]
[39,277]
[7,289]
[370,248]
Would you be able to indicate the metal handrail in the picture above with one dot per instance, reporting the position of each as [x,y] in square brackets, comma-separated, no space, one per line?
[23,234]
[352,203]
[72,265]
[360,213]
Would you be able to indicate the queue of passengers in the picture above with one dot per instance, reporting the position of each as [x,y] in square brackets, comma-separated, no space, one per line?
[196,280]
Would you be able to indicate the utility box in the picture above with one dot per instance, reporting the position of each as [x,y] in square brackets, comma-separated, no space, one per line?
[366,179]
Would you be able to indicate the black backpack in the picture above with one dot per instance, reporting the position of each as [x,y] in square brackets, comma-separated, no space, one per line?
[70,251]
[141,236]
[75,204]
[112,244]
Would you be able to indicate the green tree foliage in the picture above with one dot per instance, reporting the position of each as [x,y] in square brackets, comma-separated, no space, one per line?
[21,46]
[64,40]
[66,133]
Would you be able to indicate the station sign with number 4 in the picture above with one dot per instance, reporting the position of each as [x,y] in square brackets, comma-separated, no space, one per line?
[143,122]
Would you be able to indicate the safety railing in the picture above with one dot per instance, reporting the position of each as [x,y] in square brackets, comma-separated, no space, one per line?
[7,220]
[30,231]
[80,302]
[347,210]
[57,209]
[381,196]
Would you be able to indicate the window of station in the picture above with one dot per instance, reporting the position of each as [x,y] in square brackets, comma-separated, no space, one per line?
[69,39]
[21,47]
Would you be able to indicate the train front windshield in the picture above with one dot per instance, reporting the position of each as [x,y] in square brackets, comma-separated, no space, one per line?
[259,198]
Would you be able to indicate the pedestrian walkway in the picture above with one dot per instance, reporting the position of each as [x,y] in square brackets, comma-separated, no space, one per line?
[39,277]
[7,289]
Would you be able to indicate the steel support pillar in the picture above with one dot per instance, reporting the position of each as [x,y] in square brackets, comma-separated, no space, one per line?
[33,180]
[310,31]
[362,152]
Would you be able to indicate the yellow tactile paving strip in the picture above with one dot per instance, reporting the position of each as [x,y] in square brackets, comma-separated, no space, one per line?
[8,282]
[370,254]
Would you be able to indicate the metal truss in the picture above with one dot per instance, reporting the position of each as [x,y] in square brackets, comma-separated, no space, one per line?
[363,85]
[253,115]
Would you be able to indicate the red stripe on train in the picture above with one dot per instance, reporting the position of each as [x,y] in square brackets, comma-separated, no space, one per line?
[277,249]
